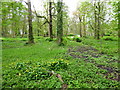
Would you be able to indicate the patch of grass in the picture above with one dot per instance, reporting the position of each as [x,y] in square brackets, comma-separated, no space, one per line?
[105,47]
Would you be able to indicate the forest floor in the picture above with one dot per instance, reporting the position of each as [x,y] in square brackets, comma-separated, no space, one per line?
[87,64]
[102,61]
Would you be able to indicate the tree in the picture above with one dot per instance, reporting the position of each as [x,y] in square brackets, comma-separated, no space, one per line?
[98,17]
[95,23]
[98,20]
[59,23]
[30,35]
[11,18]
[50,19]
[119,19]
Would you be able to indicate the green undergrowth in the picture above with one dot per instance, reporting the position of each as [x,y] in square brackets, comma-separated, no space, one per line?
[105,47]
[28,66]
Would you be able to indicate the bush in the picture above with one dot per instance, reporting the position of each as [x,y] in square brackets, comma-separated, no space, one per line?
[110,38]
[77,39]
[65,40]
[71,35]
[49,39]
[108,34]
[70,38]
[58,65]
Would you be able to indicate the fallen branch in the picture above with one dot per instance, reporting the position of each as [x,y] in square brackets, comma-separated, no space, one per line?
[64,86]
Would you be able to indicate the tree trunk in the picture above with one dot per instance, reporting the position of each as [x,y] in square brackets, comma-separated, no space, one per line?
[95,24]
[23,29]
[59,23]
[84,27]
[3,28]
[4,17]
[98,30]
[30,35]
[50,19]
[119,20]
[80,27]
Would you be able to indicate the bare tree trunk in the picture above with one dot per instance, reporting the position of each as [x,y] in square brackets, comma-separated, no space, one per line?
[84,27]
[4,17]
[30,35]
[50,19]
[80,27]
[98,30]
[95,24]
[24,26]
[119,20]
[3,28]
[59,23]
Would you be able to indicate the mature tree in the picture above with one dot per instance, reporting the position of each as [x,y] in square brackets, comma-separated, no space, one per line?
[50,19]
[31,39]
[59,22]
[95,23]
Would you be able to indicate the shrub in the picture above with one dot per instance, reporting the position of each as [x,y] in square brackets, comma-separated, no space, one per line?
[110,38]
[70,38]
[71,35]
[77,39]
[58,65]
[49,39]
[65,40]
[107,34]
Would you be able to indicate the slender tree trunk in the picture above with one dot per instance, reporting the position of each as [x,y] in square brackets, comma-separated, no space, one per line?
[119,20]
[84,27]
[50,19]
[3,28]
[24,25]
[30,35]
[38,31]
[98,30]
[59,22]
[80,27]
[95,24]
[4,17]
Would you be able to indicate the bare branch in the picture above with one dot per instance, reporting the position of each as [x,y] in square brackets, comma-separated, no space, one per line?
[44,23]
[26,2]
[91,26]
[40,16]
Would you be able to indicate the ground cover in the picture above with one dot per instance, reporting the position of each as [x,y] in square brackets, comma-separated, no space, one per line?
[81,64]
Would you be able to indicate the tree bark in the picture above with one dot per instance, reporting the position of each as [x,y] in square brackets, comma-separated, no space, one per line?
[30,35]
[98,30]
[80,27]
[50,19]
[59,23]
[119,20]
[95,24]
[84,27]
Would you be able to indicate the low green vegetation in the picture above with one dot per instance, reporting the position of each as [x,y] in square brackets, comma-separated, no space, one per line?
[79,64]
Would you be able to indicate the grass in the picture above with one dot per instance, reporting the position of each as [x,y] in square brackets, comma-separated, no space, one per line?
[24,66]
[106,47]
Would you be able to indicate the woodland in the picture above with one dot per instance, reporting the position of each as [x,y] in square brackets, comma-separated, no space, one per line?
[53,49]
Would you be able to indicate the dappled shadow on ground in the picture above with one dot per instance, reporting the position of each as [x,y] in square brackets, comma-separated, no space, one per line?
[102,61]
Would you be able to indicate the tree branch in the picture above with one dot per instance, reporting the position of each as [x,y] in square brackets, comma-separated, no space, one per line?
[40,16]
[44,23]
[26,2]
[91,26]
